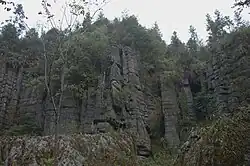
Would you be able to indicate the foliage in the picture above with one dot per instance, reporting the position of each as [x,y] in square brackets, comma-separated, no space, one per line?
[160,158]
[156,120]
[224,142]
[240,5]
[182,98]
[78,55]
[204,104]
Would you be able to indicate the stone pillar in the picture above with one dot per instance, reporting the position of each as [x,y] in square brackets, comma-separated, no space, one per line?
[170,111]
[189,96]
[135,105]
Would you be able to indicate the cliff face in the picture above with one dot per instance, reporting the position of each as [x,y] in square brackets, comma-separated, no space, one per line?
[129,98]
[123,100]
[227,73]
[16,100]
[227,79]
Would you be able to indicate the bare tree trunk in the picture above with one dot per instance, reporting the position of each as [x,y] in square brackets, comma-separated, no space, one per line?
[85,104]
[57,115]
[57,108]
[79,108]
[44,101]
[43,110]
[18,93]
[3,108]
[57,121]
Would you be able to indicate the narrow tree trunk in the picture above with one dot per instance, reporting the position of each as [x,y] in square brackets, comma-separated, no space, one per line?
[86,102]
[79,108]
[3,107]
[43,110]
[18,93]
[57,120]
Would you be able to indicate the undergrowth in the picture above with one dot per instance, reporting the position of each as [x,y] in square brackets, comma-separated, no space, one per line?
[224,142]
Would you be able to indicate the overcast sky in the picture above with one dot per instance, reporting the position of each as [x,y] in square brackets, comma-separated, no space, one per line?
[169,14]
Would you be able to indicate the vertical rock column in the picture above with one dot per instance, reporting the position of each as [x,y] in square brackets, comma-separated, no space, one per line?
[219,83]
[8,88]
[189,96]
[135,106]
[170,111]
[3,99]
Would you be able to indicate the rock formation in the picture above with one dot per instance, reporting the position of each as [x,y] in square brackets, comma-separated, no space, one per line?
[170,111]
[74,150]
[121,101]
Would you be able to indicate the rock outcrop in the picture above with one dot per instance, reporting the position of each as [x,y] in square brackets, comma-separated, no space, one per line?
[170,111]
[227,92]
[225,142]
[118,102]
[74,150]
[227,73]
[122,100]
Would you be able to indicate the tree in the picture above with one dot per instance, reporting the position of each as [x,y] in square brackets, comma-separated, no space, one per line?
[7,5]
[240,5]
[219,26]
[193,41]
[156,30]
[61,49]
[101,20]
[176,47]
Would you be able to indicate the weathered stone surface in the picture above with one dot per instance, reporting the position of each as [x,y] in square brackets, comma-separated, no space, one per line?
[135,106]
[190,106]
[228,75]
[122,100]
[75,150]
[170,110]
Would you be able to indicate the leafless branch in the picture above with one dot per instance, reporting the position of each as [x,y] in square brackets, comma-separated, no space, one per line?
[95,12]
[61,50]
[64,15]
[46,76]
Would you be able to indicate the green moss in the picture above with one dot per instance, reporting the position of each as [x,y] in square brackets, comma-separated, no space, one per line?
[182,99]
[48,162]
[159,159]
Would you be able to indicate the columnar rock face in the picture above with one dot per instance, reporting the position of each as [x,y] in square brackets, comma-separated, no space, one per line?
[7,83]
[127,96]
[227,78]
[118,101]
[170,111]
[219,84]
[228,75]
[14,100]
[189,97]
[123,100]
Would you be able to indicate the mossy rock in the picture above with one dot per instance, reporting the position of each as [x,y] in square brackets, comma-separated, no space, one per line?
[224,142]
[76,150]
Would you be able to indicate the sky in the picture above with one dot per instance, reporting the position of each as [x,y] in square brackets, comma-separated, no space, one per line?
[169,14]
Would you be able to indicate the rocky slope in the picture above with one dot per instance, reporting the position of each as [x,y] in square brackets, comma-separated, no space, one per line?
[224,142]
[75,150]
